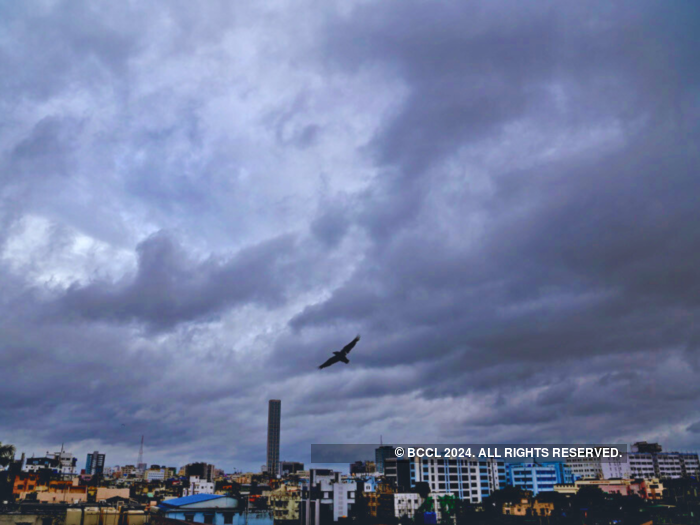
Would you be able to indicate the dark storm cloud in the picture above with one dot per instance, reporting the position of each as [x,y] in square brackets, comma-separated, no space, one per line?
[521,261]
[593,254]
[170,288]
[470,71]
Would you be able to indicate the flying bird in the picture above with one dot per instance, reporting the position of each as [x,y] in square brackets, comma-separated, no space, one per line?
[341,356]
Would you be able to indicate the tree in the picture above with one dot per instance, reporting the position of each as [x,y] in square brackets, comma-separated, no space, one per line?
[423,489]
[7,454]
[508,494]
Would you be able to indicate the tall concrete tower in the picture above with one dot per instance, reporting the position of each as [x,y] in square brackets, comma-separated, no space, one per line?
[274,414]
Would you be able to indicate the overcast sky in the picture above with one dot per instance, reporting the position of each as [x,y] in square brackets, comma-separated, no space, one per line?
[200,201]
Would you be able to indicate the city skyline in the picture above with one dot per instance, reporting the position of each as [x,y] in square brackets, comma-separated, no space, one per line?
[199,203]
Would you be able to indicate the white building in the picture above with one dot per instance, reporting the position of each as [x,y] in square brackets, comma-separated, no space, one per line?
[585,468]
[648,464]
[641,465]
[406,504]
[61,462]
[67,463]
[159,475]
[470,479]
[616,468]
[690,462]
[326,497]
[198,486]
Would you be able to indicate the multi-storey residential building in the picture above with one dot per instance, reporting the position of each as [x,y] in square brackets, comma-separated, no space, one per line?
[95,463]
[380,455]
[398,472]
[406,504]
[647,460]
[326,498]
[37,464]
[198,486]
[59,462]
[154,474]
[690,464]
[201,470]
[284,503]
[470,479]
[290,467]
[67,463]
[24,482]
[615,468]
[641,465]
[537,477]
[668,465]
[585,468]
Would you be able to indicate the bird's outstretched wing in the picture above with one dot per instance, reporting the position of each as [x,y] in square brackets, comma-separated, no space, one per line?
[331,361]
[346,349]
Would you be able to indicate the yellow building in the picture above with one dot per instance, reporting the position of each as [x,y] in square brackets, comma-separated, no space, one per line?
[284,503]
[528,507]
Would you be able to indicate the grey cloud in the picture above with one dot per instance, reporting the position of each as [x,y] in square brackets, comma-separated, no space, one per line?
[521,260]
[170,288]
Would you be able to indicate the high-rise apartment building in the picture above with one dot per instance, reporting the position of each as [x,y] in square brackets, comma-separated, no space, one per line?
[645,461]
[326,498]
[201,470]
[290,467]
[274,415]
[95,463]
[470,479]
[537,477]
[380,456]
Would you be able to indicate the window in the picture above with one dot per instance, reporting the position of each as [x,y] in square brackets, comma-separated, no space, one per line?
[189,516]
[228,518]
[209,517]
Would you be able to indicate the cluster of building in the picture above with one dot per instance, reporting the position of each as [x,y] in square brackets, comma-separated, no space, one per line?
[427,490]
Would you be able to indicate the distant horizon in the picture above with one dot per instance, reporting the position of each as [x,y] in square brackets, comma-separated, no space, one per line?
[201,202]
[338,467]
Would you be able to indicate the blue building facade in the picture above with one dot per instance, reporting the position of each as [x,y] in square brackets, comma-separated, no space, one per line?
[537,477]
[95,463]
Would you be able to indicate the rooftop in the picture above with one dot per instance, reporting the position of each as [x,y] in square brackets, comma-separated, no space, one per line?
[188,500]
